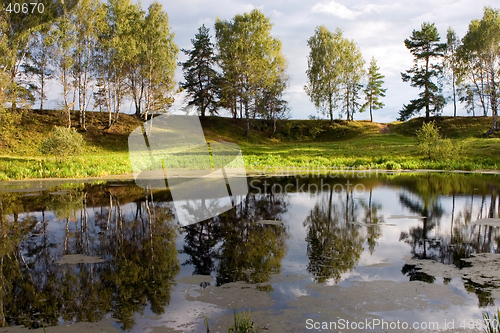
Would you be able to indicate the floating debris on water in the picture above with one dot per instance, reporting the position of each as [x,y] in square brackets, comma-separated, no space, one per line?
[73,259]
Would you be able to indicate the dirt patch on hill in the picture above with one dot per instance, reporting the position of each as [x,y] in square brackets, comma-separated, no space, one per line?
[383,129]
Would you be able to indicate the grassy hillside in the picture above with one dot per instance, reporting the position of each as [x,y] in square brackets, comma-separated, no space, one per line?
[449,127]
[304,144]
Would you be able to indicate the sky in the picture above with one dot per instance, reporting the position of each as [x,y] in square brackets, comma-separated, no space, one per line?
[379,28]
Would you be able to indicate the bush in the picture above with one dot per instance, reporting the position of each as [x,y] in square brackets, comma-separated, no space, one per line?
[315,130]
[433,146]
[62,141]
[428,139]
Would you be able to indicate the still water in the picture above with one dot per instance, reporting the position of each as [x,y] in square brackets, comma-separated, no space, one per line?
[294,248]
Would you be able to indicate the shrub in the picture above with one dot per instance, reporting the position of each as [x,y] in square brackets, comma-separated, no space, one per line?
[62,141]
[428,139]
[431,144]
[315,130]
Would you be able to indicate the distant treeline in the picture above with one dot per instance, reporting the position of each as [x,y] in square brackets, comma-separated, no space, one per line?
[102,53]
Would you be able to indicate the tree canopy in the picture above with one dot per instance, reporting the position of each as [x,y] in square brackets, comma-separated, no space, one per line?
[479,57]
[199,73]
[334,73]
[251,61]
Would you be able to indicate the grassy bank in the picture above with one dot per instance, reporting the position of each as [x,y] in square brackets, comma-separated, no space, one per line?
[297,144]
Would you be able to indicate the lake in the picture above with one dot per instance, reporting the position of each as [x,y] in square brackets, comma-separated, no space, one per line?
[351,251]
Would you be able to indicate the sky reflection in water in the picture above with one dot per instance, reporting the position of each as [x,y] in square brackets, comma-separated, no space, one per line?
[335,236]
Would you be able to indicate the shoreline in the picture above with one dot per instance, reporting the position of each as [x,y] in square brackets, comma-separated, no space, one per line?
[249,173]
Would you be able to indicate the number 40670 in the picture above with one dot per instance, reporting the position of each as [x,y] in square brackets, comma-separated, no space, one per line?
[25,8]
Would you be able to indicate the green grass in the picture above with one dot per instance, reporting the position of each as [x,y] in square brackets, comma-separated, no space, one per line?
[491,324]
[298,144]
[449,127]
[242,323]
[390,151]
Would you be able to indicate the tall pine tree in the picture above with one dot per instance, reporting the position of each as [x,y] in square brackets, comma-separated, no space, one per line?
[199,73]
[425,47]
[373,90]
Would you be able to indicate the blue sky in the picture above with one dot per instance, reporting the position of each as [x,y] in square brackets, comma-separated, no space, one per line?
[378,27]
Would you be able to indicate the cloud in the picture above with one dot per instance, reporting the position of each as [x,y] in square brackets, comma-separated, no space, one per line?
[335,9]
[339,10]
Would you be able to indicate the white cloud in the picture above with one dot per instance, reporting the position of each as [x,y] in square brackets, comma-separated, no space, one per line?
[339,10]
[335,9]
[369,8]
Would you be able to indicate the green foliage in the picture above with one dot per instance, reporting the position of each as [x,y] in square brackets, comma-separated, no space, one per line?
[479,56]
[433,146]
[160,56]
[198,72]
[62,141]
[451,64]
[428,139]
[253,65]
[356,144]
[492,325]
[206,323]
[315,130]
[424,46]
[454,127]
[335,69]
[373,90]
[242,323]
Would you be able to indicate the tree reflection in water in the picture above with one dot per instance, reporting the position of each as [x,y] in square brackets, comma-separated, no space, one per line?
[235,245]
[334,242]
[423,196]
[139,269]
[135,231]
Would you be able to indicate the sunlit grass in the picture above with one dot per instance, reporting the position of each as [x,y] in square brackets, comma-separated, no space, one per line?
[297,144]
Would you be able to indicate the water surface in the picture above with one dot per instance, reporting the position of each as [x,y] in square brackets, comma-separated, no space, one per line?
[143,270]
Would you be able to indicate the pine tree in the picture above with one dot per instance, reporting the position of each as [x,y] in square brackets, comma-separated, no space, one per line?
[198,72]
[374,90]
[424,46]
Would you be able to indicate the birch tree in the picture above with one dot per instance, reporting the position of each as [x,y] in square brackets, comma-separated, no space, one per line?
[160,59]
[249,57]
[118,46]
[451,67]
[87,18]
[480,57]
[324,69]
[335,70]
[64,42]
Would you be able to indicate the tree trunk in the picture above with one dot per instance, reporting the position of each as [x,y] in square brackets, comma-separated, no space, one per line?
[494,107]
[427,110]
[247,116]
[330,107]
[454,97]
